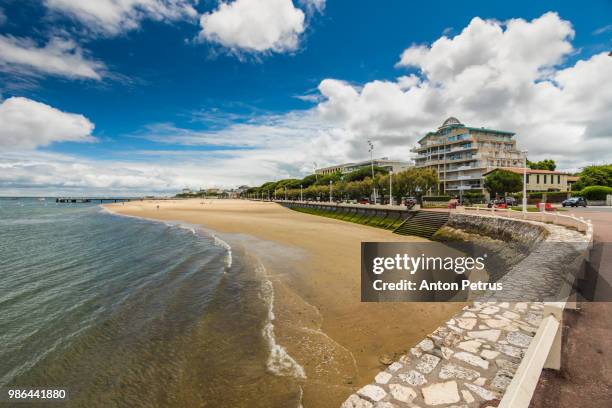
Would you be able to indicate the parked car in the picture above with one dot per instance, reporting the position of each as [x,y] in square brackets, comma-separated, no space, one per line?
[575,202]
[511,201]
[410,202]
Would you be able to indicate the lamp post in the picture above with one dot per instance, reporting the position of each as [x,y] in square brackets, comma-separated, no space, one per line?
[371,150]
[524,181]
[315,171]
[330,191]
[301,193]
[391,187]
[285,193]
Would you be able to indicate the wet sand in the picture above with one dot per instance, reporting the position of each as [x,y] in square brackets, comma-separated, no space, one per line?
[314,265]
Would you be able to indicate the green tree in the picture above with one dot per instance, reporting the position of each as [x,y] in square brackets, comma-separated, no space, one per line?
[594,176]
[547,164]
[363,172]
[503,181]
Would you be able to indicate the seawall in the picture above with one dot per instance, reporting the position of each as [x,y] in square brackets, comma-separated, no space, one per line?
[471,360]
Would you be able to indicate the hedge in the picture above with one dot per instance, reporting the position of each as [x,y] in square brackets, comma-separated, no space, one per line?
[594,192]
[551,196]
[436,198]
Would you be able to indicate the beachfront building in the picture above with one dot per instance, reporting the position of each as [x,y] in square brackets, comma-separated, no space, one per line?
[541,180]
[385,163]
[461,155]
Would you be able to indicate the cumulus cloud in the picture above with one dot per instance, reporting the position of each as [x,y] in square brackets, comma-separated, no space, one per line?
[312,6]
[59,56]
[506,75]
[511,75]
[255,26]
[113,17]
[27,124]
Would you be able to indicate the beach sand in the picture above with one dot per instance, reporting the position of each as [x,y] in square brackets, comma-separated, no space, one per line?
[314,265]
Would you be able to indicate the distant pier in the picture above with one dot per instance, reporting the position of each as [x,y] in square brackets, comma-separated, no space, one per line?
[96,199]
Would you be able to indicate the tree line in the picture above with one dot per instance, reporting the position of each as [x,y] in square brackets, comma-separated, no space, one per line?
[356,185]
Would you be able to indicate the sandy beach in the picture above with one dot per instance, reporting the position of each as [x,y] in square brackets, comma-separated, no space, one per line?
[314,265]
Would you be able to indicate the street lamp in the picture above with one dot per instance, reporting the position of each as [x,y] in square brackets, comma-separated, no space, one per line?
[371,150]
[285,193]
[315,171]
[301,193]
[391,187]
[524,181]
[330,191]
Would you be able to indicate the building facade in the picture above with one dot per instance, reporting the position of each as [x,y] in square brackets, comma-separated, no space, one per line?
[461,155]
[389,165]
[542,180]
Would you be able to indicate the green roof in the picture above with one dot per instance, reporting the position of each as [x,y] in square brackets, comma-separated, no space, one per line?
[503,132]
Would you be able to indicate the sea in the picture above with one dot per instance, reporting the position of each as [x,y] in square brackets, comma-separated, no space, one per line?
[128,312]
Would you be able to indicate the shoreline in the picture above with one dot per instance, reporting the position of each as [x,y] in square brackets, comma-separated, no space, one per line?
[312,264]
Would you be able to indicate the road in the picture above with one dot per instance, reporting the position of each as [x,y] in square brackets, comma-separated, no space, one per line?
[585,379]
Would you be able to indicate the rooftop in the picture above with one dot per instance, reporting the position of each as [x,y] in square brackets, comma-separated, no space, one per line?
[519,170]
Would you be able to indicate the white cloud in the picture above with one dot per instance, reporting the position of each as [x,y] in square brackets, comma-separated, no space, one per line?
[112,17]
[27,124]
[59,56]
[254,25]
[313,5]
[515,79]
[499,75]
[602,30]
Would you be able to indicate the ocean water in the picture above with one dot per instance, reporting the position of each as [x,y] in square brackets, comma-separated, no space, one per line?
[126,312]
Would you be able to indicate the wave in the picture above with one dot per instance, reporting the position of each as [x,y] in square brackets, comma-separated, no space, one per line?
[279,361]
[228,249]
[189,227]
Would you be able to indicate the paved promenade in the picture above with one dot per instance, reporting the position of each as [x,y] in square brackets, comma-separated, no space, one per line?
[585,378]
[467,362]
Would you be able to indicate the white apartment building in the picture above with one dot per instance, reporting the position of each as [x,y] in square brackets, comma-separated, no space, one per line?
[462,154]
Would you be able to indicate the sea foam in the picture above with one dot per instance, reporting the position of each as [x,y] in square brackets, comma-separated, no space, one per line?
[279,360]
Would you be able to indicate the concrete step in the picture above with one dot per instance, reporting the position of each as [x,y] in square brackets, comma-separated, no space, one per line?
[423,224]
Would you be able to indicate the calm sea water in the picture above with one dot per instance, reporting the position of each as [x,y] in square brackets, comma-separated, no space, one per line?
[128,312]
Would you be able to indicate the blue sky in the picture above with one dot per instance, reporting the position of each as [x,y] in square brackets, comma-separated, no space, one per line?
[171,94]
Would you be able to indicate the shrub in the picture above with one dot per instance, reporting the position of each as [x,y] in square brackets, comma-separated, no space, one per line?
[473,197]
[436,198]
[594,192]
[535,196]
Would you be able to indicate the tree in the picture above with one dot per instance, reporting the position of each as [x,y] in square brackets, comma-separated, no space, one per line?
[503,181]
[309,180]
[594,176]
[413,182]
[363,172]
[547,164]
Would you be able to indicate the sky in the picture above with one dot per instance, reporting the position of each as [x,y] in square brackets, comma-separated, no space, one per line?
[152,96]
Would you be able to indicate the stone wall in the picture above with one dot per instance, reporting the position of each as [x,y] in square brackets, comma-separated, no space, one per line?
[471,359]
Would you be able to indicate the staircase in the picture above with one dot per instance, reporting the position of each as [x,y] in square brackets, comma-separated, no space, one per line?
[423,223]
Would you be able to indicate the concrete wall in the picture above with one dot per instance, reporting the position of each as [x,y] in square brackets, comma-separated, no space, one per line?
[471,360]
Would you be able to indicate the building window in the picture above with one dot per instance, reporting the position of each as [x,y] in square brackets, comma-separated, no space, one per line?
[558,179]
[537,179]
[545,179]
